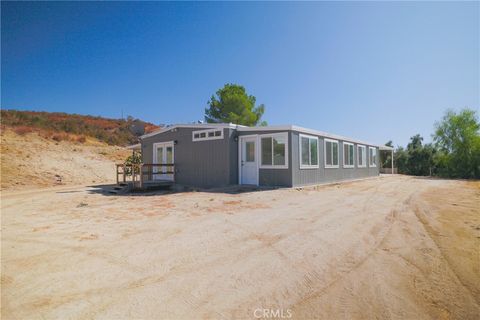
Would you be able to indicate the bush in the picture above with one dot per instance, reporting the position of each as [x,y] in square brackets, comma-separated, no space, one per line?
[135,158]
[111,131]
[60,137]
[22,130]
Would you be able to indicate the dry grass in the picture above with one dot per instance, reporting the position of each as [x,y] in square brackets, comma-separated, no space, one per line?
[30,160]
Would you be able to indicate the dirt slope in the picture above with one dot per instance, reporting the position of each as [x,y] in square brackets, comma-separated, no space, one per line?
[388,248]
[29,161]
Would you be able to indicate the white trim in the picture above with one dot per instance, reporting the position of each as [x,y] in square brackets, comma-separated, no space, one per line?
[257,156]
[241,128]
[328,166]
[272,135]
[307,131]
[369,162]
[194,126]
[364,158]
[154,160]
[348,166]
[207,131]
[308,166]
[167,143]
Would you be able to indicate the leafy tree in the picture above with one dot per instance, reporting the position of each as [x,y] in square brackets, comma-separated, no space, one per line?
[458,138]
[401,160]
[420,157]
[233,104]
[134,158]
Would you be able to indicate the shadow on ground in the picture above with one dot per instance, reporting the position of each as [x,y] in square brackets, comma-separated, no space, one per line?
[106,190]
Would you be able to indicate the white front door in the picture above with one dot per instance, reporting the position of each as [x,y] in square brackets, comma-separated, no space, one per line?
[248,160]
[163,153]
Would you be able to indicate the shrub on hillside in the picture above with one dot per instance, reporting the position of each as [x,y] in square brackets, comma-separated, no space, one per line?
[60,137]
[111,131]
[22,130]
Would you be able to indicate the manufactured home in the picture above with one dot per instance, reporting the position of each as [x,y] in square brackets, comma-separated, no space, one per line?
[215,155]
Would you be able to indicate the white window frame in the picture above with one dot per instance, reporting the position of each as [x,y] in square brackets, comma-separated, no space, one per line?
[206,138]
[328,166]
[369,157]
[364,158]
[343,151]
[273,135]
[308,166]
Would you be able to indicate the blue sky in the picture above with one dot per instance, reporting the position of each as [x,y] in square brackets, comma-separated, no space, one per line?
[374,71]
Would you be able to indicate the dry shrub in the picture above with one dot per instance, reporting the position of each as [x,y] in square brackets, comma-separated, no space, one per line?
[60,137]
[81,139]
[22,130]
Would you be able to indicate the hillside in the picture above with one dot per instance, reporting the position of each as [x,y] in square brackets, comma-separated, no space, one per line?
[74,127]
[31,161]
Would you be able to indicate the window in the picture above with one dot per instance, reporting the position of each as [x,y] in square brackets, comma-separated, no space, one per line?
[362,156]
[274,150]
[308,151]
[209,134]
[250,154]
[331,153]
[372,156]
[348,155]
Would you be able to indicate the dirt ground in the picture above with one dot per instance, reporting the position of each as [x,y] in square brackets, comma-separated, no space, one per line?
[388,248]
[30,161]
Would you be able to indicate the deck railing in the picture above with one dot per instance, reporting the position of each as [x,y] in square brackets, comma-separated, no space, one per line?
[139,174]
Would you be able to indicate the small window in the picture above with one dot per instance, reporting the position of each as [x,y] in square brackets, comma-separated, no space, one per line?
[209,134]
[308,152]
[331,153]
[372,156]
[348,155]
[274,151]
[361,156]
[250,154]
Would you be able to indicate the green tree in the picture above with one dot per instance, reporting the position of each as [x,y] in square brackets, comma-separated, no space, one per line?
[134,158]
[401,160]
[232,104]
[457,136]
[420,157]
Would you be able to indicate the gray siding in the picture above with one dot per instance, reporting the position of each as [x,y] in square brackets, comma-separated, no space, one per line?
[273,177]
[214,163]
[200,163]
[301,177]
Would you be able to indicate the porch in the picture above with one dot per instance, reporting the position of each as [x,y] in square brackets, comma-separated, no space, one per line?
[143,176]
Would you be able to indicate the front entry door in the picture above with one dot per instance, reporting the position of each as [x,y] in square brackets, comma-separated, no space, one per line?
[248,160]
[163,154]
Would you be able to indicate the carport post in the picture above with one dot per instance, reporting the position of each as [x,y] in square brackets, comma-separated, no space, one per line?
[392,160]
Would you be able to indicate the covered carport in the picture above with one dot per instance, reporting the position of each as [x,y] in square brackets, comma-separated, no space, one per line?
[389,168]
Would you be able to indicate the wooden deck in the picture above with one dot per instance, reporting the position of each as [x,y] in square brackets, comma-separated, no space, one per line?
[145,176]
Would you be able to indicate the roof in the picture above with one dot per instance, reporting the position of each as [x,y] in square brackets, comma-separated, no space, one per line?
[242,128]
[137,146]
[310,131]
[192,125]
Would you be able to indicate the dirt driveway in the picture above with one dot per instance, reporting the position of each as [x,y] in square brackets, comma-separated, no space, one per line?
[393,247]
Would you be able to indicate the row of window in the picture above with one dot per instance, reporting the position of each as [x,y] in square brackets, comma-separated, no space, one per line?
[209,134]
[274,149]
[332,154]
